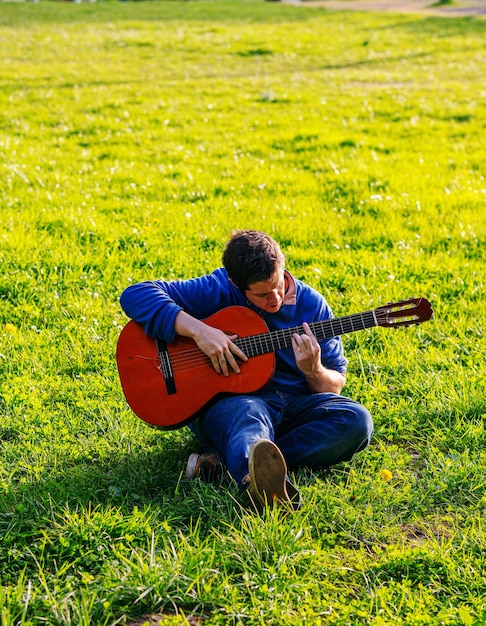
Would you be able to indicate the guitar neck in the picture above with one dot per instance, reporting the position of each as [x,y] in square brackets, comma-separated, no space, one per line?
[263,343]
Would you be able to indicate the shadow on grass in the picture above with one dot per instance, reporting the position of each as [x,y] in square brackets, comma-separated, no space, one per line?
[199,76]
[152,481]
[435,25]
[81,512]
[14,14]
[125,480]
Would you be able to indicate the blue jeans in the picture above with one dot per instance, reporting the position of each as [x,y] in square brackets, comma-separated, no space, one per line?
[314,430]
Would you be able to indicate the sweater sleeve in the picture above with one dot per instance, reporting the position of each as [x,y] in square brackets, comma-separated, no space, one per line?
[149,304]
[155,304]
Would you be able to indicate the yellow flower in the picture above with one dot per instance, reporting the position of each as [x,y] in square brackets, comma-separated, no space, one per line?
[10,328]
[386,475]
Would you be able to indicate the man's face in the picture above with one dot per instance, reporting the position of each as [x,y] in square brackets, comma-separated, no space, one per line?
[268,294]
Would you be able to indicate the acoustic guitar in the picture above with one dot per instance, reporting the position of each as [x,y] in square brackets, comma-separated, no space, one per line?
[167,385]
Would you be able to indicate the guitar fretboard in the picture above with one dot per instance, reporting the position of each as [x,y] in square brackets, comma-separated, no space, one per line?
[263,343]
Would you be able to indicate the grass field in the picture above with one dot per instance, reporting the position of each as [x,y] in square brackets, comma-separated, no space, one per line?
[133,138]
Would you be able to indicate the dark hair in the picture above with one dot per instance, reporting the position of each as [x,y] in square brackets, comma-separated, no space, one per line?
[251,256]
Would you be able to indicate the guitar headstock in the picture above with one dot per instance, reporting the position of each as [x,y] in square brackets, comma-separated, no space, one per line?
[404,313]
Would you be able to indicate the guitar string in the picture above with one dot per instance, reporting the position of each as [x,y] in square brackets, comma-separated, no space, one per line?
[255,345]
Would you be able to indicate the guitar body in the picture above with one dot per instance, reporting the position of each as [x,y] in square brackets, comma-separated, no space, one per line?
[168,384]
[194,382]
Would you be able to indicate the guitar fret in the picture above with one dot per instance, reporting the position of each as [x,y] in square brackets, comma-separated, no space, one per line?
[281,339]
[262,344]
[327,327]
[371,321]
[267,342]
[354,323]
[288,336]
[255,346]
[335,323]
[347,324]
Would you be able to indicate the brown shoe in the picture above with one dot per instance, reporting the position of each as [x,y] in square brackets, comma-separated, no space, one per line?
[207,467]
[268,477]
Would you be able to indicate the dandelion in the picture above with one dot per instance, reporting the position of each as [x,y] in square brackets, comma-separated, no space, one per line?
[10,328]
[386,475]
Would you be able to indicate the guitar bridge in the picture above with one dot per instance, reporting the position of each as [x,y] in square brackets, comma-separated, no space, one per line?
[166,366]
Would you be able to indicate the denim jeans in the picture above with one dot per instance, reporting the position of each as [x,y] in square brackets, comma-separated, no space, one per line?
[314,430]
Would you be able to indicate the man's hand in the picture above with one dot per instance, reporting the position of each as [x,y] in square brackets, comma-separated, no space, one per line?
[307,353]
[218,346]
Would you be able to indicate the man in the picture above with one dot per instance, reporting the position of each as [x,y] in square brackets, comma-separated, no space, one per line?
[299,418]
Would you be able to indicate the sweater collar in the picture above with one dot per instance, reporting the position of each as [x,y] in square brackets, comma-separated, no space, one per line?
[290,289]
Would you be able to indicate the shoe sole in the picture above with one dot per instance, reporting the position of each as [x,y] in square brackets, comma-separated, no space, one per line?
[268,472]
[191,467]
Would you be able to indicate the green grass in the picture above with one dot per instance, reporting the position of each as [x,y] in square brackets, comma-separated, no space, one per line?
[133,138]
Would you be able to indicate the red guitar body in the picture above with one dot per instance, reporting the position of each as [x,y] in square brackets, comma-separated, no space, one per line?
[195,381]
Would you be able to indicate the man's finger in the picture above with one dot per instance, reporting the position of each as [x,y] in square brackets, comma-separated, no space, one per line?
[232,362]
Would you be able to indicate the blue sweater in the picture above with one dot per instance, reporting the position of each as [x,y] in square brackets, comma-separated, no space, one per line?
[155,305]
